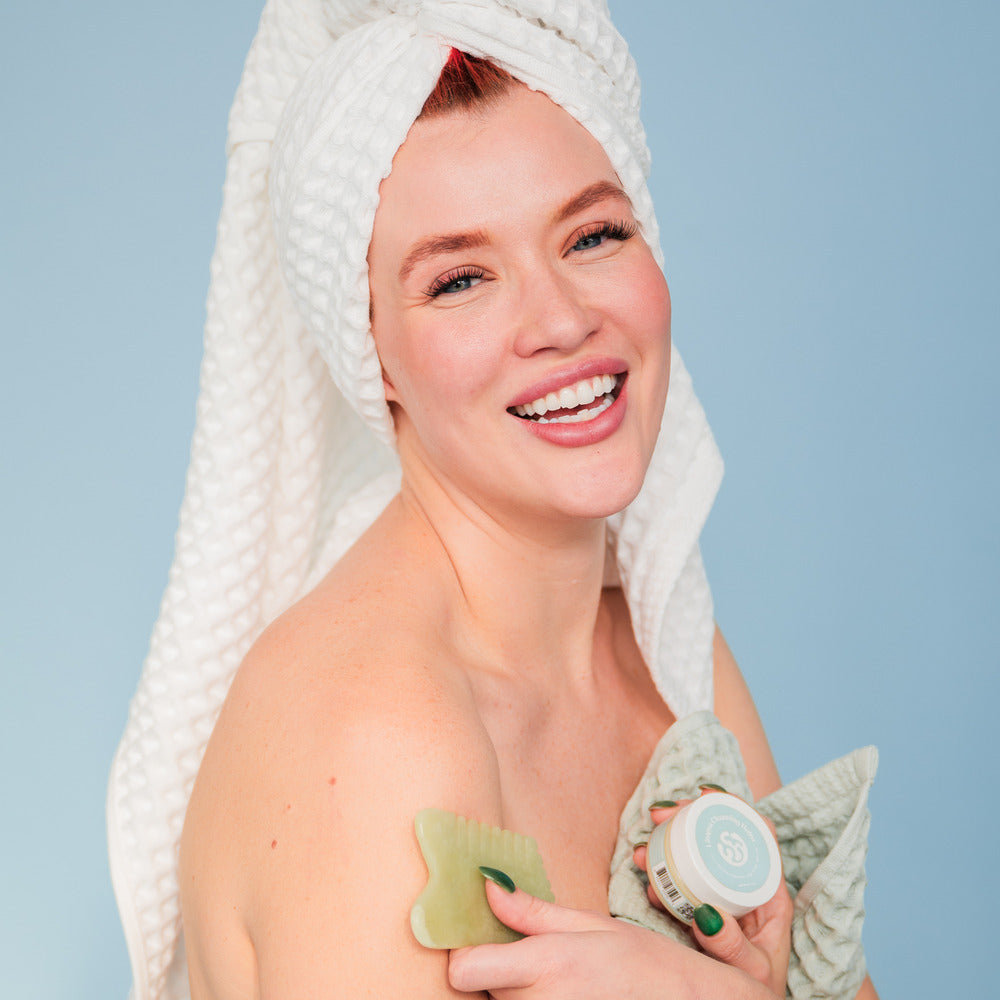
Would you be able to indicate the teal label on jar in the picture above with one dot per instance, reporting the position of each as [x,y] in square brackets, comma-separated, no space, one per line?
[733,850]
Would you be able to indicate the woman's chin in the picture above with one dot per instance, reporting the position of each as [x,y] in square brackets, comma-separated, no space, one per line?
[600,497]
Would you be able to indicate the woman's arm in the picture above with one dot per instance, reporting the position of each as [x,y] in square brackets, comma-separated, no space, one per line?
[577,955]
[867,991]
[331,914]
[589,956]
[307,798]
[735,709]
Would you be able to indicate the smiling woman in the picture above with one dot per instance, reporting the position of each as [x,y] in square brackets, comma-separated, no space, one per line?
[485,595]
[506,270]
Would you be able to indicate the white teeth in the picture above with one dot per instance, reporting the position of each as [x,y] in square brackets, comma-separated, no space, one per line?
[583,393]
[580,415]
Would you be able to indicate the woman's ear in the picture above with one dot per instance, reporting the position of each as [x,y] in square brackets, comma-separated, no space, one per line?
[388,388]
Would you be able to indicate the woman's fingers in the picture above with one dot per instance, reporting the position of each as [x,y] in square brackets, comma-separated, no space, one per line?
[659,812]
[528,914]
[759,943]
[580,955]
[768,928]
[493,967]
[664,809]
[720,936]
[525,963]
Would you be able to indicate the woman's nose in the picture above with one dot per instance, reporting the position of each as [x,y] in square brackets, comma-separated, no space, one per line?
[554,314]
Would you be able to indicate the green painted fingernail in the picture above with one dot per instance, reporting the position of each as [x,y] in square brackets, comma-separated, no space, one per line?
[709,786]
[663,804]
[708,919]
[502,879]
[639,843]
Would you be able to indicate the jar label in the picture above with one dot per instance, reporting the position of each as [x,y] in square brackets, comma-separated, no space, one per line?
[671,896]
[733,849]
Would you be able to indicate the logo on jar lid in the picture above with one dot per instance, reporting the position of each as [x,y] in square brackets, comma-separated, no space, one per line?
[733,849]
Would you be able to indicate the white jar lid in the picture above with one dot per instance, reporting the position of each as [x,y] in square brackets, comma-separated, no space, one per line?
[717,850]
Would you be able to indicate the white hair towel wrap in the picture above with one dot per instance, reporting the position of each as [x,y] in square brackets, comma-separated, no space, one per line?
[292,453]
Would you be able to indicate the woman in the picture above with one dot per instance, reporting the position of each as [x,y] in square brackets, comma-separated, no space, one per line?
[464,652]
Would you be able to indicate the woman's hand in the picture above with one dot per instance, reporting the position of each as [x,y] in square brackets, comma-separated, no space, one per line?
[578,955]
[757,944]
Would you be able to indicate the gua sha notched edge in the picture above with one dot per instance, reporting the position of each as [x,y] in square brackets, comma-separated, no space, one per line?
[453,911]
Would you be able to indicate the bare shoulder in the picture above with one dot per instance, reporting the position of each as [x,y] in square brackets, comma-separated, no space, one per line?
[735,709]
[341,724]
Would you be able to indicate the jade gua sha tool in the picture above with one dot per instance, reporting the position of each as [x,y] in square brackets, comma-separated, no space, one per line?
[452,911]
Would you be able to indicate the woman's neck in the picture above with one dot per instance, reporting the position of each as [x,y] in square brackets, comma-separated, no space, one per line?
[526,589]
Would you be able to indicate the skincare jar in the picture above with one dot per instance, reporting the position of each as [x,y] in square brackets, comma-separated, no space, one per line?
[715,850]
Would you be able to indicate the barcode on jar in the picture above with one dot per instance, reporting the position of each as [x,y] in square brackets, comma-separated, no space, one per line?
[673,897]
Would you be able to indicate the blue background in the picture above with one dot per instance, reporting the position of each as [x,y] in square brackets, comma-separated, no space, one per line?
[826,177]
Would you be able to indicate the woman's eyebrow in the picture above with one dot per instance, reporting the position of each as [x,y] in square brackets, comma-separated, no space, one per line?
[590,195]
[451,242]
[444,243]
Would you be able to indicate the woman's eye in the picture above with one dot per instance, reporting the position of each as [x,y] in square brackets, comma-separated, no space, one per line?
[455,281]
[596,236]
[589,241]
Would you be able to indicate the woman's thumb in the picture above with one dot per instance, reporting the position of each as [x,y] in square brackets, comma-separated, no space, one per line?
[723,938]
[528,914]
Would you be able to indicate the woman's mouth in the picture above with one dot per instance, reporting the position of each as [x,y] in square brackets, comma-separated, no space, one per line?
[573,404]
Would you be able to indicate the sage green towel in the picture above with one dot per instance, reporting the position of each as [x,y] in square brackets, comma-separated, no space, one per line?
[822,822]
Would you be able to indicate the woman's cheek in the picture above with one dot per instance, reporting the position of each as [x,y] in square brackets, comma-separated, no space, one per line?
[446,364]
[653,303]
[467,355]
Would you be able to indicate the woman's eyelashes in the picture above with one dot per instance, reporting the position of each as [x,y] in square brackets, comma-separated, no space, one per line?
[597,234]
[459,280]
[591,237]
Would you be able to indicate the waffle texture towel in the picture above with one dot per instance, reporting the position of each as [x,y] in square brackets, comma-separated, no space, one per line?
[822,824]
[292,454]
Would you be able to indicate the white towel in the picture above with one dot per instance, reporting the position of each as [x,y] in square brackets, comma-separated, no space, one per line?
[288,465]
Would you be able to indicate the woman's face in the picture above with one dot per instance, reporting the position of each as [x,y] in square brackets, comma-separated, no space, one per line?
[511,291]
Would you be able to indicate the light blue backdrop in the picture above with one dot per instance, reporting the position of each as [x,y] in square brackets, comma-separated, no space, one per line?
[826,176]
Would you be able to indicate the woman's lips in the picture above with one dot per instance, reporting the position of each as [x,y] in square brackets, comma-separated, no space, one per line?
[569,377]
[582,401]
[583,425]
